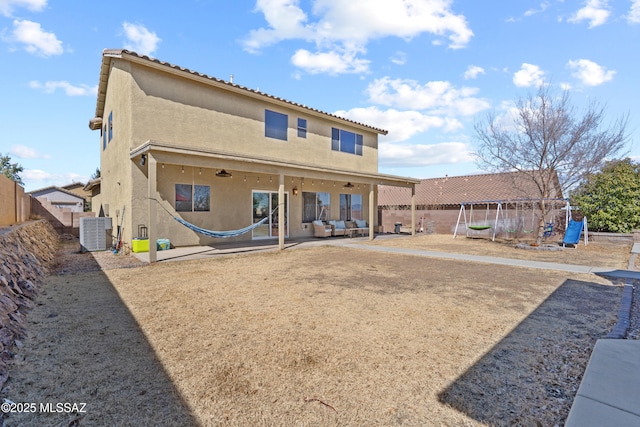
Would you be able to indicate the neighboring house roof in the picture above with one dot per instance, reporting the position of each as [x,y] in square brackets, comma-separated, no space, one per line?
[447,191]
[108,54]
[92,184]
[53,189]
[77,188]
[73,186]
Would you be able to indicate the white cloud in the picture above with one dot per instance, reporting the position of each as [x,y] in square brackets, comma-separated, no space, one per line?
[24,152]
[440,97]
[398,155]
[69,89]
[35,39]
[543,7]
[401,125]
[36,178]
[140,39]
[594,11]
[286,21]
[400,58]
[634,13]
[329,62]
[7,6]
[528,75]
[472,72]
[590,73]
[348,26]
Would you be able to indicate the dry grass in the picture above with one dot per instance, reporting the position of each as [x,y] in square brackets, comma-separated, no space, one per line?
[320,336]
[596,254]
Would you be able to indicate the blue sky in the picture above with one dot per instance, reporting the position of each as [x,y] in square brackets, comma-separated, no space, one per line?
[425,70]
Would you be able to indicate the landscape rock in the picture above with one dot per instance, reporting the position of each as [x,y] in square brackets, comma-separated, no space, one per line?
[27,252]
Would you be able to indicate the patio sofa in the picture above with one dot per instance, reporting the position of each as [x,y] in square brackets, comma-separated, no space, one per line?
[338,228]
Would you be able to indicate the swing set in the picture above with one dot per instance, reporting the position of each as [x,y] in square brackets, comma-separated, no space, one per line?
[511,217]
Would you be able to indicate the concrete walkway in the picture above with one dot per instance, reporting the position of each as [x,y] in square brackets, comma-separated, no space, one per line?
[609,394]
[605,271]
[201,252]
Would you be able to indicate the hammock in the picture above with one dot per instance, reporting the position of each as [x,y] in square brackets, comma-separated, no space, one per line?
[223,234]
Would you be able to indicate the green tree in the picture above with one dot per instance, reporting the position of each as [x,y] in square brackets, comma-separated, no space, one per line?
[96,174]
[610,199]
[545,135]
[10,170]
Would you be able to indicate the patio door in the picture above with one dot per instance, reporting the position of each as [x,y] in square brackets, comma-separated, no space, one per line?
[264,202]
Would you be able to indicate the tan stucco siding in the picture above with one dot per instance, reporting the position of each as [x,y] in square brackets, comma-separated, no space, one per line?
[199,125]
[231,202]
[196,115]
[115,165]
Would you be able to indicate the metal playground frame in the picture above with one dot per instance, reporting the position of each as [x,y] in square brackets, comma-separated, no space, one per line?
[507,225]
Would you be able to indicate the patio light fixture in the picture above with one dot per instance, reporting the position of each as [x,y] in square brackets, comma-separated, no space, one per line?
[294,190]
[348,185]
[143,159]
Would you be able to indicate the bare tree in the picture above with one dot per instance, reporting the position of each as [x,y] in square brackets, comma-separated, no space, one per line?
[547,137]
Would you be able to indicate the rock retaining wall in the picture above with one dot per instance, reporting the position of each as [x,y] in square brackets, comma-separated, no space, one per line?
[26,253]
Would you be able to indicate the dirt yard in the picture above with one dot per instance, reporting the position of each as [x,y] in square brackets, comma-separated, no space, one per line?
[316,336]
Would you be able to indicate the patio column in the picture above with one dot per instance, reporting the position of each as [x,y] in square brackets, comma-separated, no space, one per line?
[282,226]
[413,210]
[151,200]
[372,210]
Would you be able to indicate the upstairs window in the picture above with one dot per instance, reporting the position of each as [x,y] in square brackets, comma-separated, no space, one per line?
[110,126]
[302,128]
[275,125]
[346,142]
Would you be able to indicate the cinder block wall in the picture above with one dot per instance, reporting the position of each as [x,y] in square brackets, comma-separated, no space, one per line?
[16,206]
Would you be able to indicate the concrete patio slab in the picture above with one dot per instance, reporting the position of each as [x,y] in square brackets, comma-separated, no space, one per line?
[609,393]
[586,412]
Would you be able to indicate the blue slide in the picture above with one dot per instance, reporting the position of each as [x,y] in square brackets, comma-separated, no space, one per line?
[572,235]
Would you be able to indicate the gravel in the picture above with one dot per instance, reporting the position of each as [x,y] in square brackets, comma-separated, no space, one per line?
[69,259]
[634,321]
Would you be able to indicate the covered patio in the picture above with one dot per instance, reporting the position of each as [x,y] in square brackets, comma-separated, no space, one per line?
[243,190]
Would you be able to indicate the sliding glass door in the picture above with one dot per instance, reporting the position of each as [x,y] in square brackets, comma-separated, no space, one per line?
[264,203]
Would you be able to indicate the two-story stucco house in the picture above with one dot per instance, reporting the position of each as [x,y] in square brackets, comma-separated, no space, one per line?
[178,143]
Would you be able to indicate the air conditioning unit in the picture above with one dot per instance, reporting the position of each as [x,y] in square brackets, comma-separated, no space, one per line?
[93,233]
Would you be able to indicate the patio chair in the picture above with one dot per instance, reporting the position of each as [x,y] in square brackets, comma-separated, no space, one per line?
[320,229]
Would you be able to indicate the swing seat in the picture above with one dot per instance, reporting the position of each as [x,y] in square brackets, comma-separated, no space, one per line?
[479,227]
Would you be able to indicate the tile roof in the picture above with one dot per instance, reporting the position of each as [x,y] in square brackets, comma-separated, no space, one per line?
[455,190]
[107,54]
